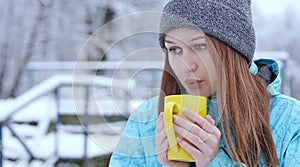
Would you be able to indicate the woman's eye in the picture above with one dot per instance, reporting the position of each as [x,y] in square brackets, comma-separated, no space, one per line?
[201,46]
[174,50]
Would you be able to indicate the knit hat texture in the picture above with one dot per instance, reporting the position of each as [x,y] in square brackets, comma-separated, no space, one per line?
[227,20]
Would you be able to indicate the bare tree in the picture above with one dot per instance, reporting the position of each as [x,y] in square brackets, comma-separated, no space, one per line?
[291,30]
[58,35]
[29,49]
[5,46]
[101,14]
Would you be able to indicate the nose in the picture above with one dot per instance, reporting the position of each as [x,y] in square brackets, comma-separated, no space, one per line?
[188,63]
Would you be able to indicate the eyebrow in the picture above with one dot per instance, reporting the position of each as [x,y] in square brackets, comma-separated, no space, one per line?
[166,41]
[194,39]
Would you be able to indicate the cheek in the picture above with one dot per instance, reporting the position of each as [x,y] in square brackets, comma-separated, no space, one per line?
[210,67]
[174,64]
[212,75]
[213,78]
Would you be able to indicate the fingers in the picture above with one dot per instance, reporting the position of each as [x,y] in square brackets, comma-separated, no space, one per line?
[201,139]
[202,158]
[191,137]
[189,148]
[202,130]
[160,132]
[162,147]
[210,119]
[191,128]
[161,141]
[207,125]
[159,123]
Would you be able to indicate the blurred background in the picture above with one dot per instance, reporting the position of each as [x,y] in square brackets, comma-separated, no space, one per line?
[67,87]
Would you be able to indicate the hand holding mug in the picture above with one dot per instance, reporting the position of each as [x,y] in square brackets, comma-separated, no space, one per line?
[191,135]
[173,106]
[162,144]
[200,138]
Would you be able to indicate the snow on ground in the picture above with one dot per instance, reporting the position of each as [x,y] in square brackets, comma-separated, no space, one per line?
[101,140]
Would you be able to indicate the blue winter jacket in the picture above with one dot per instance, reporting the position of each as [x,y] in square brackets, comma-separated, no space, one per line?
[136,147]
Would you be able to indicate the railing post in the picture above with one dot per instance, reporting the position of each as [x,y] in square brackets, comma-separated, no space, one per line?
[56,121]
[86,124]
[1,145]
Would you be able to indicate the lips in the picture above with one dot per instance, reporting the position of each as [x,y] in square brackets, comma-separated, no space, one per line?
[193,83]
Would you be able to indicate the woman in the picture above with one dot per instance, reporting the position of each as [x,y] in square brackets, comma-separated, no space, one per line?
[209,48]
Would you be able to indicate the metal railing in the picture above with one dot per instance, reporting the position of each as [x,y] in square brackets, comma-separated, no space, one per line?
[92,66]
[52,85]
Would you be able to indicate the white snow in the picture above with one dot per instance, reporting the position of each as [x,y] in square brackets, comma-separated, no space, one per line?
[38,106]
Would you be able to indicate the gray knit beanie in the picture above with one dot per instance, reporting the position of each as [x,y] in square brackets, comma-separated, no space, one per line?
[227,20]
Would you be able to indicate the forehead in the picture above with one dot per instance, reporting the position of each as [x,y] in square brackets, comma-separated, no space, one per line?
[184,34]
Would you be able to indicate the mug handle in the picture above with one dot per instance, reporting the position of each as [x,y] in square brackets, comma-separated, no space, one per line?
[170,108]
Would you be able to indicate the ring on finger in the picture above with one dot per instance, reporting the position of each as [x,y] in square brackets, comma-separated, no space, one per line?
[214,128]
[206,136]
[200,141]
[208,128]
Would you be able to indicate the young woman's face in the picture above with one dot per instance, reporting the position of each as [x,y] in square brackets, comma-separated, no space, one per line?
[191,61]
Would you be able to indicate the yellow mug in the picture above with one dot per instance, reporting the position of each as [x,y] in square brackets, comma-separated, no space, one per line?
[174,105]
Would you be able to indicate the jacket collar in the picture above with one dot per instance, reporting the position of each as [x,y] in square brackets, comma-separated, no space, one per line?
[273,66]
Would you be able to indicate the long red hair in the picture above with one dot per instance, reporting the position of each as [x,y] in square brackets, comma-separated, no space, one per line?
[243,106]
